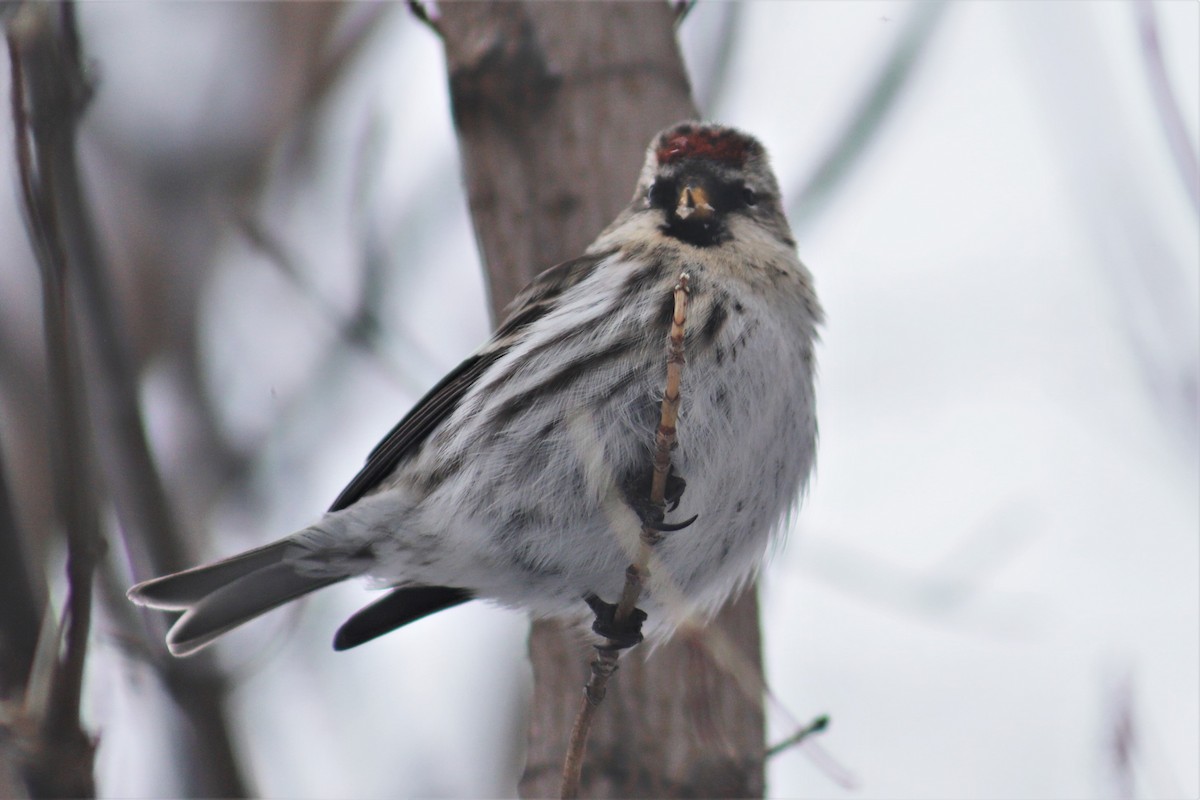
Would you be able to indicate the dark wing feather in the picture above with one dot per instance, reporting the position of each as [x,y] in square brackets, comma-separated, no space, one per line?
[416,426]
[439,403]
[399,607]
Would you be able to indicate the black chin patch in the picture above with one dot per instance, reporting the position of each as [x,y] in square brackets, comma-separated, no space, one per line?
[699,233]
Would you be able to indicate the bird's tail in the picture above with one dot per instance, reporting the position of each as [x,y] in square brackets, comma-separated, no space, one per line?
[218,597]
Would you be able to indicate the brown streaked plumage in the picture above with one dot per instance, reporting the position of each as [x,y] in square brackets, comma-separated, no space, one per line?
[516,478]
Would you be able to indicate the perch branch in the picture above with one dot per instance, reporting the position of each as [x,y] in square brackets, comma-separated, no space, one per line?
[605,663]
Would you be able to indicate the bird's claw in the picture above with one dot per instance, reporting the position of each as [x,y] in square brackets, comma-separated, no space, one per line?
[669,527]
[674,490]
[651,515]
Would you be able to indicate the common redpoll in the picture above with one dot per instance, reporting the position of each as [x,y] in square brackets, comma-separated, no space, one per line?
[523,476]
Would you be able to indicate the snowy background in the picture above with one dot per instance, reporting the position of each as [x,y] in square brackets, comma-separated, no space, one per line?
[994,586]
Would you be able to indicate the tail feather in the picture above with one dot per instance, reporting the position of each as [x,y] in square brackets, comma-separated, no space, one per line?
[181,590]
[217,598]
[240,601]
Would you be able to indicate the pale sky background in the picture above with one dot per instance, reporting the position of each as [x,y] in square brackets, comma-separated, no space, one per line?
[1001,547]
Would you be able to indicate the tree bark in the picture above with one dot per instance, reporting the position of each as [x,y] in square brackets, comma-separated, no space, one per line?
[554,105]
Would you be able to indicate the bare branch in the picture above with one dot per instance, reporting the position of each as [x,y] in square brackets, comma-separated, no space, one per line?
[22,607]
[48,96]
[323,51]
[816,726]
[664,441]
[682,8]
[712,87]
[605,663]
[851,142]
[1169,115]
[360,328]
[421,11]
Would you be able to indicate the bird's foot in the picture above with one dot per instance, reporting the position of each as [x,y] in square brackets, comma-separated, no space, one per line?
[621,635]
[652,514]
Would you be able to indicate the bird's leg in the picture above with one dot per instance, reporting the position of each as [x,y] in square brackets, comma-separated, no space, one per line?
[626,633]
[621,635]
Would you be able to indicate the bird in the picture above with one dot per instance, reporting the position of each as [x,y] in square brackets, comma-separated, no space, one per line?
[523,476]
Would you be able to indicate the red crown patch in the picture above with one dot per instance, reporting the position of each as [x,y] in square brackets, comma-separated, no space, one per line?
[717,145]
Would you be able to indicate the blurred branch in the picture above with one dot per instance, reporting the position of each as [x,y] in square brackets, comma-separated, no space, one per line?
[421,11]
[1121,740]
[681,9]
[49,93]
[360,328]
[22,607]
[816,726]
[867,120]
[711,89]
[56,202]
[1169,114]
[315,29]
[1150,270]
[340,53]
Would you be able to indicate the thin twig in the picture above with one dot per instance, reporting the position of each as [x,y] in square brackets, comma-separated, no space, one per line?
[721,649]
[293,130]
[867,119]
[48,96]
[360,328]
[681,9]
[664,440]
[1170,118]
[816,726]
[21,602]
[141,499]
[148,522]
[421,11]
[605,663]
[712,86]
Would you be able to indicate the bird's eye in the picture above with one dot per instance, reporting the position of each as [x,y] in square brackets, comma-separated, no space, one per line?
[659,194]
[749,196]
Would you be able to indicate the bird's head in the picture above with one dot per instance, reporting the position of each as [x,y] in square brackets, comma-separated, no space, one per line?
[701,179]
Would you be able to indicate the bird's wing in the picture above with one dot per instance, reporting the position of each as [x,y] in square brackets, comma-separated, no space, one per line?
[416,426]
[440,402]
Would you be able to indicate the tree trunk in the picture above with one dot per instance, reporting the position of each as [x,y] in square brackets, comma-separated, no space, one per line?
[554,105]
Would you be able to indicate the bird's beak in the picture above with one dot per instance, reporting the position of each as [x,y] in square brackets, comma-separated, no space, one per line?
[693,201]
